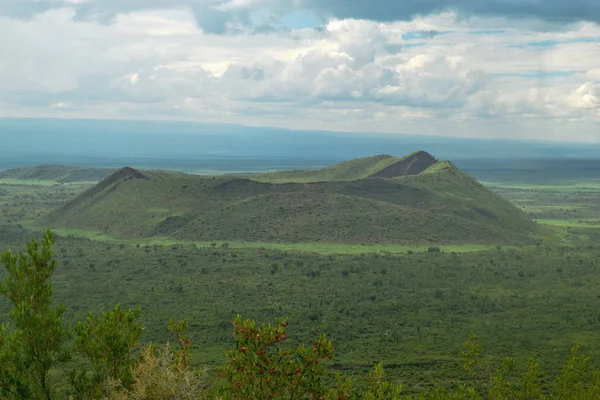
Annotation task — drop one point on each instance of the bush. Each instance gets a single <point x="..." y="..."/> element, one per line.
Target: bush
<point x="260" y="367"/>
<point x="159" y="376"/>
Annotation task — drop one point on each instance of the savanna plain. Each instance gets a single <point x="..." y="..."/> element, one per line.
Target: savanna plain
<point x="453" y="291"/>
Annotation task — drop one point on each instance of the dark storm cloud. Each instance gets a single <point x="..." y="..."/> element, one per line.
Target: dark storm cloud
<point x="215" y="16"/>
<point x="389" y="10"/>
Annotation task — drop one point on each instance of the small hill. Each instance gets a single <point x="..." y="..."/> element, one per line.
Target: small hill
<point x="58" y="173"/>
<point x="396" y="200"/>
<point x="381" y="166"/>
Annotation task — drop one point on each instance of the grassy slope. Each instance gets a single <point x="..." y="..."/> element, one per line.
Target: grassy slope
<point x="56" y="173"/>
<point x="360" y="168"/>
<point x="469" y="198"/>
<point x="444" y="206"/>
<point x="344" y="171"/>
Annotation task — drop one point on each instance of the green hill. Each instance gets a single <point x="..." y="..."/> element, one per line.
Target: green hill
<point x="437" y="204"/>
<point x="382" y="166"/>
<point x="57" y="173"/>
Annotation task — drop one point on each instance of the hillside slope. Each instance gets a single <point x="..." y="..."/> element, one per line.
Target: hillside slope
<point x="440" y="204"/>
<point x="382" y="166"/>
<point x="58" y="173"/>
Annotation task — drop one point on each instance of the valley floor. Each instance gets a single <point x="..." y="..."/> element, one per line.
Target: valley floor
<point x="410" y="307"/>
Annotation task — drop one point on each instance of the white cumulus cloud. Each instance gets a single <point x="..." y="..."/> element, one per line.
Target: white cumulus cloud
<point x="436" y="73"/>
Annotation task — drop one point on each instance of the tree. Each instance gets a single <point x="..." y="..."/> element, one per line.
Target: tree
<point x="379" y="388"/>
<point x="574" y="377"/>
<point x="475" y="366"/>
<point x="34" y="343"/>
<point x="11" y="383"/>
<point x="108" y="342"/>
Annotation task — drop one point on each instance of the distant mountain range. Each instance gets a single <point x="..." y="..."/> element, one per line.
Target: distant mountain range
<point x="187" y="146"/>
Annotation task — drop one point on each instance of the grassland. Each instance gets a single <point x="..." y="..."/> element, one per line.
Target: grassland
<point x="28" y="182"/>
<point x="376" y="302"/>
<point x="563" y="186"/>
<point x="321" y="248"/>
<point x="571" y="201"/>
<point x="588" y="223"/>
<point x="411" y="312"/>
<point x="345" y="171"/>
<point x="30" y="200"/>
<point x="54" y="174"/>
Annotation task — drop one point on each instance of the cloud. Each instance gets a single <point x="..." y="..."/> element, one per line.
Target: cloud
<point x="587" y="96"/>
<point x="346" y="62"/>
<point x="221" y="16"/>
<point x="429" y="80"/>
<point x="438" y="73"/>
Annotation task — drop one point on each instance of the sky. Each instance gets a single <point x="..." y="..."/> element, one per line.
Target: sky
<point x="519" y="69"/>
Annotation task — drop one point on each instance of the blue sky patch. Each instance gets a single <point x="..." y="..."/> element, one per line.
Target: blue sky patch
<point x="551" y="43"/>
<point x="423" y="34"/>
<point x="300" y="19"/>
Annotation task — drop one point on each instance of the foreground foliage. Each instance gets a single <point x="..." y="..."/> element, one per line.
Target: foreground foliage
<point x="34" y="343"/>
<point x="260" y="369"/>
<point x="108" y="343"/>
<point x="35" y="348"/>
<point x="521" y="302"/>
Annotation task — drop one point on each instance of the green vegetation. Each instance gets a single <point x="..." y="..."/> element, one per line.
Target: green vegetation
<point x="409" y="311"/>
<point x="444" y="206"/>
<point x="322" y="247"/>
<point x="22" y="203"/>
<point x="24" y="182"/>
<point x="588" y="223"/>
<point x="381" y="166"/>
<point x="34" y="345"/>
<point x="437" y="167"/>
<point x="563" y="186"/>
<point x="261" y="365"/>
<point x="107" y="343"/>
<point x="572" y="201"/>
<point x="52" y="174"/>
<point x="403" y="306"/>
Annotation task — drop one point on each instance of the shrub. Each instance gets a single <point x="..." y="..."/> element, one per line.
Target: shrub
<point x="260" y="367"/>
